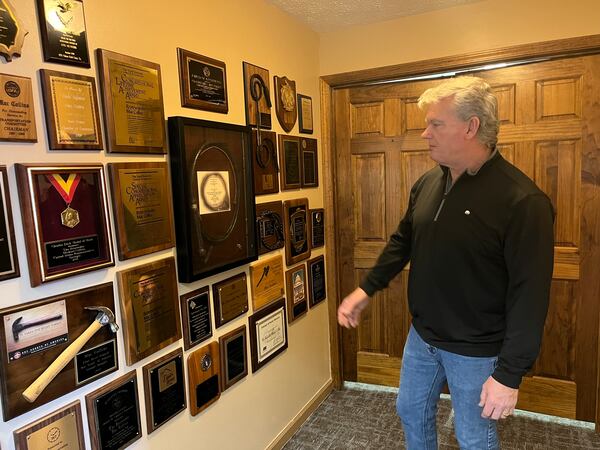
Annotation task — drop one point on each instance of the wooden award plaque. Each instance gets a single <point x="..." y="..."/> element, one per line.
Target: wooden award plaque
<point x="234" y="357"/>
<point x="316" y="281"/>
<point x="9" y="261"/>
<point x="257" y="91"/>
<point x="230" y="298"/>
<point x="264" y="163"/>
<point x="269" y="226"/>
<point x="317" y="227"/>
<point x="285" y="102"/>
<point x="267" y="281"/>
<point x="62" y="429"/>
<point x="297" y="231"/>
<point x="17" y="115"/>
<point x="203" y="82"/>
<point x="13" y="33"/>
<point x="310" y="163"/>
<point x="296" y="292"/>
<point x="290" y="158"/>
<point x="164" y="389"/>
<point x="195" y="315"/>
<point x="114" y="414"/>
<point x="204" y="377"/>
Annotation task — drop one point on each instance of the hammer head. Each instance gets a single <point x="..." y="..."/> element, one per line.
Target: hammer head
<point x="105" y="317"/>
<point x="16" y="328"/>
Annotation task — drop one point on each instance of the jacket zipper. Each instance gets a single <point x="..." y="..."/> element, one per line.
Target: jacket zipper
<point x="439" y="210"/>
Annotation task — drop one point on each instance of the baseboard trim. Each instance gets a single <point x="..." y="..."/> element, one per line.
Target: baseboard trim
<point x="295" y="424"/>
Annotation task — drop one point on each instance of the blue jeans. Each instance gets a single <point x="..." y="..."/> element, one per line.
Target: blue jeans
<point x="425" y="369"/>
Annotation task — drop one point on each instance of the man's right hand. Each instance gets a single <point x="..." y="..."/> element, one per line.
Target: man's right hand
<point x="349" y="311"/>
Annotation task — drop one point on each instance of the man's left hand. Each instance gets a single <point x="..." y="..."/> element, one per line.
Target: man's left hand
<point x="498" y="401"/>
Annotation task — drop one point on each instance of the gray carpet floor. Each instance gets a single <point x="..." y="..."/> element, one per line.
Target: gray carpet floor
<point x="364" y="417"/>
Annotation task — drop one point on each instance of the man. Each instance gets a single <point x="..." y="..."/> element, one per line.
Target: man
<point x="479" y="237"/>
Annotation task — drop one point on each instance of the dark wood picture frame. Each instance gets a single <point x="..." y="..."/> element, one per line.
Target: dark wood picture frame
<point x="309" y="162"/>
<point x="211" y="172"/>
<point x="142" y="209"/>
<point x="290" y="162"/>
<point x="296" y="288"/>
<point x="211" y="94"/>
<point x="24" y="357"/>
<point x="197" y="324"/>
<point x="317" y="292"/>
<point x="305" y="114"/>
<point x="233" y="370"/>
<point x="58" y="137"/>
<point x="146" y="104"/>
<point x="9" y="259"/>
<point x="270" y="318"/>
<point x="25" y="435"/>
<point x="149" y="308"/>
<point x="164" y="377"/>
<point x="67" y="45"/>
<point x="123" y="420"/>
<point x="297" y="230"/>
<point x="82" y="229"/>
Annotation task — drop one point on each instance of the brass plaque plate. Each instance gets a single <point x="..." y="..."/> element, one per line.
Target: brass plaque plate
<point x="230" y="299"/>
<point x="267" y="281"/>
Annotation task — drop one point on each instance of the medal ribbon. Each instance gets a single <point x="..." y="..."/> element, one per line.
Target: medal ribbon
<point x="66" y="189"/>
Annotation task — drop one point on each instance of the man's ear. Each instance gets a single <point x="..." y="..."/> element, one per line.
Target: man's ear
<point x="472" y="127"/>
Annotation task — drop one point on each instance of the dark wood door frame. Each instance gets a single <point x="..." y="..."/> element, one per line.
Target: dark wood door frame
<point x="561" y="48"/>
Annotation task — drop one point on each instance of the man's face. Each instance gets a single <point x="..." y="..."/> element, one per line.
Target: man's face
<point x="446" y="134"/>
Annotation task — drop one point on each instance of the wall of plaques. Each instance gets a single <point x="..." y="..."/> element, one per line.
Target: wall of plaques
<point x="162" y="231"/>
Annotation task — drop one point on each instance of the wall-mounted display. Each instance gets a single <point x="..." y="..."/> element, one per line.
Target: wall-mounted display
<point x="305" y="114"/>
<point x="234" y="357"/>
<point x="266" y="277"/>
<point x="132" y="103"/>
<point x="33" y="335"/>
<point x="113" y="413"/>
<point x="12" y="32"/>
<point x="195" y="315"/>
<point x="17" y="116"/>
<point x="317" y="228"/>
<point x="9" y="261"/>
<point x="211" y="171"/>
<point x="290" y="162"/>
<point x="296" y="292"/>
<point x="297" y="242"/>
<point x="264" y="162"/>
<point x="60" y="429"/>
<point x="316" y="280"/>
<point x="310" y="163"/>
<point x="63" y="32"/>
<point x="71" y="108"/>
<point x="268" y="334"/>
<point x="285" y="102"/>
<point x="65" y="219"/>
<point x="230" y="298"/>
<point x="203" y="82"/>
<point x="269" y="226"/>
<point x="149" y="308"/>
<point x="164" y="389"/>
<point x="204" y="377"/>
<point x="257" y="93"/>
<point x="143" y="214"/>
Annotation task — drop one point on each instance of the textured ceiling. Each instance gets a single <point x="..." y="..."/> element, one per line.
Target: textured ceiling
<point x="329" y="15"/>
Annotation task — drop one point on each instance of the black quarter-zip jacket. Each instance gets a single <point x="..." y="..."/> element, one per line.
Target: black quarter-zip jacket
<point x="481" y="259"/>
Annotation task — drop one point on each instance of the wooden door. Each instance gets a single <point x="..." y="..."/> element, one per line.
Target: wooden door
<point x="550" y="129"/>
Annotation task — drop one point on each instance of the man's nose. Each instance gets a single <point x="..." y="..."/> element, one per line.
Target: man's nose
<point x="425" y="134"/>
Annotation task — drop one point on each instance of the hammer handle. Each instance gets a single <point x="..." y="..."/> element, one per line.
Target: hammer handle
<point x="36" y="388"/>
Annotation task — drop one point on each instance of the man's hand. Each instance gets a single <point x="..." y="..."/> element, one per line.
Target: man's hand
<point x="498" y="401"/>
<point x="351" y="307"/>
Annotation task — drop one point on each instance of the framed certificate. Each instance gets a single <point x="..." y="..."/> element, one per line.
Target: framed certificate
<point x="212" y="188"/>
<point x="63" y="32"/>
<point x="268" y="334"/>
<point x="132" y="102"/>
<point x="290" y="162"/>
<point x="143" y="214"/>
<point x="17" y="115"/>
<point x="71" y="107"/>
<point x="296" y="292"/>
<point x="203" y="82"/>
<point x="305" y="114"/>
<point x="65" y="219"/>
<point x="9" y="262"/>
<point x="149" y="308"/>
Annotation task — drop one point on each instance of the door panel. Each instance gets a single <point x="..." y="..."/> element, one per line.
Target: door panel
<point x="550" y="129"/>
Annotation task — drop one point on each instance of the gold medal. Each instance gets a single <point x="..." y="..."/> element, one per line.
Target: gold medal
<point x="66" y="188"/>
<point x="69" y="217"/>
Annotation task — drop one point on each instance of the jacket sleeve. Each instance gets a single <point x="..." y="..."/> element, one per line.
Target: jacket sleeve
<point x="395" y="254"/>
<point x="529" y="255"/>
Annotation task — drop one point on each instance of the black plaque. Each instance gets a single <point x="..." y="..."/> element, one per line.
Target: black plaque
<point x="63" y="31"/>
<point x="207" y="391"/>
<point x="234" y="359"/>
<point x="96" y="361"/>
<point x="115" y="422"/>
<point x="317" y="221"/>
<point x="195" y="312"/>
<point x="71" y="251"/>
<point x="291" y="163"/>
<point x="203" y="82"/>
<point x="297" y="243"/>
<point x="316" y="278"/>
<point x="164" y="385"/>
<point x="310" y="168"/>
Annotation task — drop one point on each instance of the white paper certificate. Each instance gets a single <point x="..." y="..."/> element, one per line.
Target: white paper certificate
<point x="270" y="334"/>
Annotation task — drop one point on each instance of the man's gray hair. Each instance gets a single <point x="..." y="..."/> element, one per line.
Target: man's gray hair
<point x="472" y="96"/>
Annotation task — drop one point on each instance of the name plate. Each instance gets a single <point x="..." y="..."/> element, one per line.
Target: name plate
<point x="195" y="313"/>
<point x="96" y="361"/>
<point x="230" y="299"/>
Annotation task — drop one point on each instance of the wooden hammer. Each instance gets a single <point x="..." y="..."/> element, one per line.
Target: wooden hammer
<point x="105" y="317"/>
